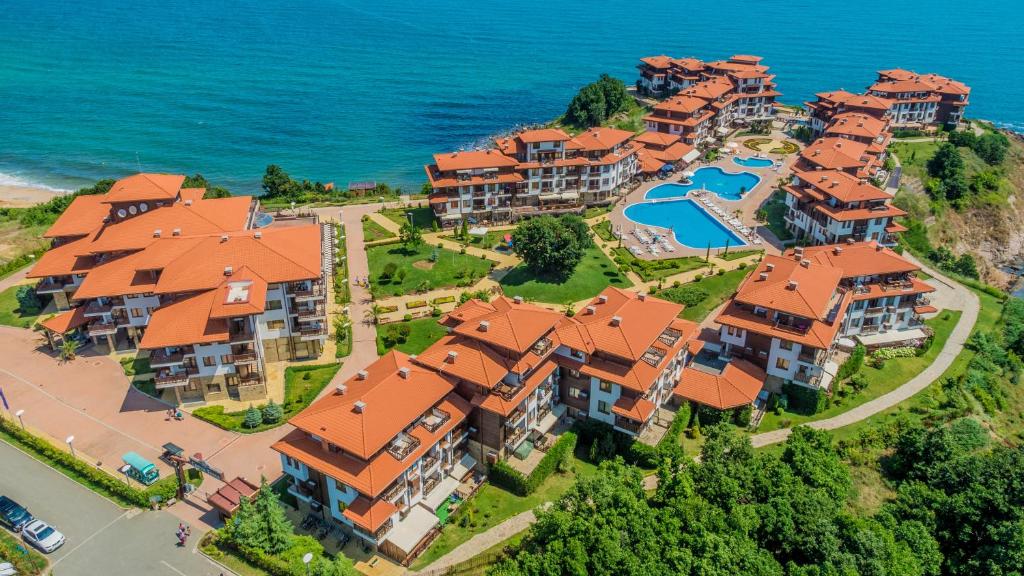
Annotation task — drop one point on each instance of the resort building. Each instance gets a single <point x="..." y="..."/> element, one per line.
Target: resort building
<point x="385" y="450"/>
<point x="832" y="104"/>
<point x="153" y="266"/>
<point x="919" y="100"/>
<point x="706" y="99"/>
<point x="661" y="151"/>
<point x="532" y="172"/>
<point x="832" y="206"/>
<point x="842" y="154"/>
<point x="789" y="317"/>
<point x="861" y="128"/>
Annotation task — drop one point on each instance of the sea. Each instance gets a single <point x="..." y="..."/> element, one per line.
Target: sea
<point x="352" y="90"/>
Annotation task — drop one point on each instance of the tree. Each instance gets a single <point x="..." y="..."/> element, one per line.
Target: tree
<point x="198" y="181"/>
<point x="68" y="349"/>
<point x="548" y="245"/>
<point x="245" y="528"/>
<point x="991" y="147"/>
<point x="410" y="235"/>
<point x="947" y="166"/>
<point x="272" y="412"/>
<point x="277" y="183"/>
<point x="253" y="417"/>
<point x="464" y="231"/>
<point x="28" y="300"/>
<point x="276" y="526"/>
<point x="597" y="102"/>
<point x="966" y="266"/>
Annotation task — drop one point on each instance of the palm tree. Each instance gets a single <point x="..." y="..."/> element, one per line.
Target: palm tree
<point x="68" y="348"/>
<point x="373" y="313"/>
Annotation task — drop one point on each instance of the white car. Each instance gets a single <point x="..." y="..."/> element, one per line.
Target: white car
<point x="42" y="536"/>
<point x="7" y="569"/>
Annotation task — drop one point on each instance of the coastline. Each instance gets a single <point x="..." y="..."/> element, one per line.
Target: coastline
<point x="22" y="196"/>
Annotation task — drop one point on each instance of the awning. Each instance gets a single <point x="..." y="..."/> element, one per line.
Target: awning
<point x="451" y="217"/>
<point x="66" y="321"/>
<point x="548" y="197"/>
<point x="691" y="156"/>
<point x="570" y="196"/>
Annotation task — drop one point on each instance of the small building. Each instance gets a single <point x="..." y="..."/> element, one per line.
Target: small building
<point x="228" y="497"/>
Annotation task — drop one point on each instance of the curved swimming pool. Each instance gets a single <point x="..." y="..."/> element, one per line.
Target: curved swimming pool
<point x="691" y="225"/>
<point x="263" y="220"/>
<point x="728" y="185"/>
<point x="753" y="162"/>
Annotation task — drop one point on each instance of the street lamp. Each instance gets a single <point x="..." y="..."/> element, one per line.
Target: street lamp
<point x="71" y="444"/>
<point x="124" y="470"/>
<point x="409" y="216"/>
<point x="306" y="559"/>
<point x="19" y="414"/>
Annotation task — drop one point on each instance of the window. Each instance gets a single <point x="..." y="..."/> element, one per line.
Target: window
<point x="576" y="354"/>
<point x="785" y="345"/>
<point x="225" y="359"/>
<point x="209" y="361"/>
<point x="575" y="392"/>
<point x="275" y="325"/>
<point x="339" y="486"/>
<point x="602" y="407"/>
<point x="273" y="305"/>
<point x="213" y="388"/>
<point x="606" y="386"/>
<point x="782" y="364"/>
<point x="733" y="331"/>
<point x="136" y="312"/>
<point x="292" y="462"/>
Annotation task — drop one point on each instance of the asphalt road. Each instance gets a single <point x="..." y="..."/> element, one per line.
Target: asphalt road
<point x="102" y="538"/>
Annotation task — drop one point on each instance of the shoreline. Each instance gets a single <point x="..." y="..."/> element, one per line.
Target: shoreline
<point x="23" y="196"/>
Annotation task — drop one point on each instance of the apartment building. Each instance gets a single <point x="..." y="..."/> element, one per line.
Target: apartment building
<point x="660" y="149"/>
<point x="532" y="172"/>
<point x="707" y="99"/>
<point x="153" y="266"/>
<point x="920" y="100"/>
<point x="385" y="449"/>
<point x="786" y="319"/>
<point x="862" y="128"/>
<point x="833" y="206"/>
<point x="831" y="104"/>
<point x="843" y="154"/>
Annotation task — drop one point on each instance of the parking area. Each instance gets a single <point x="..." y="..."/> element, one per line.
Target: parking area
<point x="102" y="538"/>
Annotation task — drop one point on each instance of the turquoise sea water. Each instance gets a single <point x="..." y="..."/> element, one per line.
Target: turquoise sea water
<point x="728" y="185"/>
<point x="691" y="225"/>
<point x="351" y="90"/>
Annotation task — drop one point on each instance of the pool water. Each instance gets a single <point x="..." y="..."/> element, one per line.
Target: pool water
<point x="752" y="162"/>
<point x="263" y="220"/>
<point x="691" y="225"/>
<point x="728" y="185"/>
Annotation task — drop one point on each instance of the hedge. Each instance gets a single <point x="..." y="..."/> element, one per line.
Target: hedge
<point x="94" y="478"/>
<point x="804" y="400"/>
<point x="852" y="364"/>
<point x="507" y="477"/>
<point x="15" y="264"/>
<point x="443" y="300"/>
<point x="415" y="304"/>
<point x="215" y="546"/>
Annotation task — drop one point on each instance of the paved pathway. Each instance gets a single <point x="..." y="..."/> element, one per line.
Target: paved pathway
<point x="482" y="541"/>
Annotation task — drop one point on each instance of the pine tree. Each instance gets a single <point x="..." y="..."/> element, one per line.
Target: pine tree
<point x="245" y="528"/>
<point x="272" y="412"/>
<point x="276" y="526"/>
<point x="253" y="417"/>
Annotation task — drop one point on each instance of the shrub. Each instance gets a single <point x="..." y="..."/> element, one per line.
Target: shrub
<point x="443" y="300"/>
<point x="272" y="412"/>
<point x="688" y="294"/>
<point x="435" y="312"/>
<point x="804" y="400"/>
<point x="253" y="417"/>
<point x="741" y="416"/>
<point x="698" y="277"/>
<point x="852" y="364"/>
<point x="879" y="356"/>
<point x="415" y="304"/>
<point x="407" y="318"/>
<point x="557" y="458"/>
<point x="389" y="271"/>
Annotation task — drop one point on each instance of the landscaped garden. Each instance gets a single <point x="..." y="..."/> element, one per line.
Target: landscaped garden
<point x="422" y="217"/>
<point x="702" y="296"/>
<point x="773" y="213"/>
<point x="650" y="270"/>
<point x="594" y="273"/>
<point x="25" y="559"/>
<point x="12" y="312"/>
<point x="302" y="384"/>
<point x="411" y="337"/>
<point x="399" y="269"/>
<point x="759" y="144"/>
<point x="373" y="231"/>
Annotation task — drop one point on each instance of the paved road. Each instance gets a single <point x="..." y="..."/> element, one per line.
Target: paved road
<point x="102" y="538"/>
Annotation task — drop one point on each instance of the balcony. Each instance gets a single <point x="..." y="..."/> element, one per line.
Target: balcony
<point x="515" y="417"/>
<point x="402" y="446"/>
<point x="250" y="379"/>
<point x="394" y="493"/>
<point x="806" y="378"/>
<point x="50" y="285"/>
<point x="808" y="357"/>
<point x="542" y="346"/>
<point x="312" y="333"/>
<point x="800" y="329"/>
<point x="429" y="462"/>
<point x="874" y="310"/>
<point x="163" y="358"/>
<point x="505" y="390"/>
<point x="309" y="314"/>
<point x="171" y="378"/>
<point x="430" y="484"/>
<point x="628" y="425"/>
<point x="96" y="308"/>
<point x="302" y="292"/>
<point x="244" y="358"/>
<point x="435" y="419"/>
<point x="241" y="335"/>
<point x="102" y="328"/>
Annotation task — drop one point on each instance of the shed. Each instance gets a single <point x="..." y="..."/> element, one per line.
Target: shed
<point x="228" y="497"/>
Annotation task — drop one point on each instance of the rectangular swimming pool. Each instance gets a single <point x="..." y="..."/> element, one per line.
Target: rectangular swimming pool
<point x="691" y="225"/>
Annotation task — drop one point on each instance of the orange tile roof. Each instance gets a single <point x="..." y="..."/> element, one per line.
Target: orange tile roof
<point x="228" y="497"/>
<point x="472" y="159"/>
<point x="659" y="62"/>
<point x="841" y="185"/>
<point x="791" y="287"/>
<point x="683" y="104"/>
<point x="659" y="139"/>
<point x="543" y="135"/>
<point x="835" y="153"/>
<point x="673" y="153"/>
<point x="392" y="402"/>
<point x="474" y="361"/>
<point x="649" y="163"/>
<point x="856" y="100"/>
<point x="602" y="138"/>
<point x="512" y="326"/>
<point x="141" y="187"/>
<point x="640" y="322"/>
<point x="369" y="515"/>
<point x="711" y="89"/>
<point x="856" y="124"/>
<point x="184" y="321"/>
<point x="818" y="334"/>
<point x="468" y="310"/>
<point x="66" y="321"/>
<point x="738" y="385"/>
<point x="244" y="293"/>
<point x="859" y="259"/>
<point x="495" y="403"/>
<point x="926" y="309"/>
<point x="63" y="260"/>
<point x="372" y="476"/>
<point x="876" y="290"/>
<point x="637" y="408"/>
<point x="845" y="214"/>
<point x="82" y="216"/>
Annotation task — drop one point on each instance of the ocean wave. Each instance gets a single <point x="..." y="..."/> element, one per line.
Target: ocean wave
<point x="12" y="180"/>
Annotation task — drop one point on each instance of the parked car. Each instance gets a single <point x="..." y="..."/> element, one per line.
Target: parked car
<point x="42" y="536"/>
<point x="13" y="515"/>
<point x="7" y="569"/>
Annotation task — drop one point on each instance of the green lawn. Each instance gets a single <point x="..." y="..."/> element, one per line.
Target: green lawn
<point x="650" y="270"/>
<point x="491" y="505"/>
<point x="719" y="289"/>
<point x="775" y="208"/>
<point x="422" y="217"/>
<point x="595" y="211"/>
<point x="914" y="155"/>
<point x="737" y="254"/>
<point x="301" y="386"/>
<point x="420" y="274"/>
<point x="134" y="365"/>
<point x="373" y="231"/>
<point x="422" y="333"/>
<point x="603" y="229"/>
<point x="593" y="274"/>
<point x="492" y="240"/>
<point x="892" y="375"/>
<point x="11" y="314"/>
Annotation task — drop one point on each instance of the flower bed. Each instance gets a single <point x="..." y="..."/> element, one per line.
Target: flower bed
<point x="443" y="300"/>
<point x="415" y="304"/>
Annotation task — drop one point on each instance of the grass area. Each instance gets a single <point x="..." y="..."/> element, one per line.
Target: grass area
<point x="342" y="339"/>
<point x="342" y="290"/>
<point x="422" y="217"/>
<point x="603" y="229"/>
<point x="892" y="375"/>
<point x="418" y="273"/>
<point x="230" y="559"/>
<point x="595" y="211"/>
<point x="491" y="506"/>
<point x="479" y="565"/>
<point x="719" y="289"/>
<point x="650" y="270"/>
<point x="339" y="198"/>
<point x="373" y="231"/>
<point x="301" y="386"/>
<point x="421" y="334"/>
<point x="24" y="558"/>
<point x="631" y="118"/>
<point x="11" y="314"/>
<point x="492" y="240"/>
<point x="914" y="155"/>
<point x="134" y="365"/>
<point x="736" y="255"/>
<point x="593" y="274"/>
<point x="775" y="215"/>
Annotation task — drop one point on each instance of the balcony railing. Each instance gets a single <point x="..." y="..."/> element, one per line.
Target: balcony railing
<point x="433" y="421"/>
<point x="245" y="335"/>
<point x="512" y="441"/>
<point x="430" y="484"/>
<point x="401" y="448"/>
<point x="379" y="534"/>
<point x="316" y="290"/>
<point x="163" y="358"/>
<point x="874" y="310"/>
<point x="312" y="333"/>
<point x="244" y="358"/>
<point x="627" y="424"/>
<point x="792" y="328"/>
<point x="168" y="378"/>
<point x="808" y="357"/>
<point x="96" y="308"/>
<point x="806" y="378"/>
<point x="49" y="285"/>
<point x="306" y="314"/>
<point x="393" y="493"/>
<point x="250" y="378"/>
<point x="101" y="328"/>
<point x="514" y="417"/>
<point x="429" y="462"/>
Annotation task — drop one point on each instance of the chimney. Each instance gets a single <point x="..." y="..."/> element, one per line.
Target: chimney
<point x="257" y="235"/>
<point x="769" y="266"/>
<point x="641" y="296"/>
<point x="602" y="299"/>
<point x="878" y="247"/>
<point x="518" y="299"/>
<point x="403" y="372"/>
<point x="793" y="284"/>
<point x="591" y="310"/>
<point x="484" y="325"/>
<point x="362" y="375"/>
<point x="762" y="276"/>
<point x="837" y="250"/>
<point x="799" y="251"/>
<point x="616" y="320"/>
<point x="228" y="270"/>
<point x="359" y="407"/>
<point x="341" y="389"/>
<point x="805" y="263"/>
<point x="157" y="232"/>
<point x="452" y="355"/>
<point x="223" y="237"/>
<point x="176" y="232"/>
<point x="188" y="202"/>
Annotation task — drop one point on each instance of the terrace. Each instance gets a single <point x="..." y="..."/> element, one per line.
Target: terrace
<point x="402" y="446"/>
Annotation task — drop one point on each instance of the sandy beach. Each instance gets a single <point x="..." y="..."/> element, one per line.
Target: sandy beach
<point x="16" y="196"/>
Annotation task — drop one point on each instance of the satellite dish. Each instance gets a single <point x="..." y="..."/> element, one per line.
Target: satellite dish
<point x="121" y="213"/>
<point x="133" y="210"/>
<point x="143" y="207"/>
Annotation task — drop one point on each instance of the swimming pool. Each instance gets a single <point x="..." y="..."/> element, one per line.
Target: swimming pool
<point x="263" y="220"/>
<point x="752" y="162"/>
<point x="691" y="225"/>
<point x="728" y="185"/>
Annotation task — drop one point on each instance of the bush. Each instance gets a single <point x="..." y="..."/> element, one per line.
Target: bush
<point x="880" y="356"/>
<point x="688" y="295"/>
<point x="556" y="459"/>
<point x="415" y="304"/>
<point x="389" y="271"/>
<point x="804" y="400"/>
<point x="253" y="417"/>
<point x="852" y="364"/>
<point x="741" y="416"/>
<point x="443" y="300"/>
<point x="272" y="412"/>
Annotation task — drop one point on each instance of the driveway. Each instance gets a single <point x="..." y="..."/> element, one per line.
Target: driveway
<point x="102" y="538"/>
